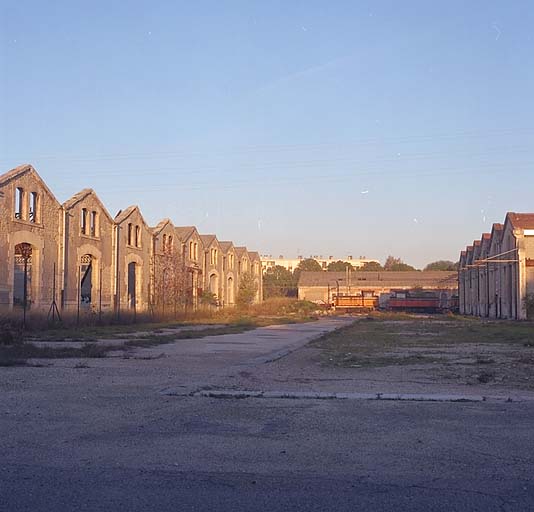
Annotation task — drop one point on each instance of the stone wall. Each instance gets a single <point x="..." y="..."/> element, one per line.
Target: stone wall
<point x="96" y="263"/>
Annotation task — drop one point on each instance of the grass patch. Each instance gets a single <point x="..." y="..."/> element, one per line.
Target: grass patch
<point x="480" y="349"/>
<point x="269" y="312"/>
<point x="18" y="354"/>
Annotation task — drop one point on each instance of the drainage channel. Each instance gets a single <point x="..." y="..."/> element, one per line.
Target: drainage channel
<point x="311" y="395"/>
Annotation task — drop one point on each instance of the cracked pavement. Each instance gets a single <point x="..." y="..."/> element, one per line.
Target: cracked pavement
<point x="108" y="437"/>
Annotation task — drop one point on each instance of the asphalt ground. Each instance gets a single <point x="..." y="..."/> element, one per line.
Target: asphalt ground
<point x="111" y="437"/>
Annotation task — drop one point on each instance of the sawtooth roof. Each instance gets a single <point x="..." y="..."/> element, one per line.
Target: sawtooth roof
<point x="521" y="220"/>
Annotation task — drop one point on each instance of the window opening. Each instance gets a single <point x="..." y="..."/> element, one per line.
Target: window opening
<point x="34" y="205"/>
<point x="94" y="224"/>
<point x="86" y="279"/>
<point x="83" y="221"/>
<point x="19" y="201"/>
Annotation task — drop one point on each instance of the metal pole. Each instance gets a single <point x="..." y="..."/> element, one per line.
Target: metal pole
<point x="54" y="295"/>
<point x="25" y="299"/>
<point x="487" y="290"/>
<point x="78" y="301"/>
<point x="117" y="275"/>
<point x="100" y="297"/>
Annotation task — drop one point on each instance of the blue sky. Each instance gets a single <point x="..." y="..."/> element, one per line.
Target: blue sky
<point x="293" y="127"/>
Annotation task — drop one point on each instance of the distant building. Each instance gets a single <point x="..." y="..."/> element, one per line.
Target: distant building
<point x="321" y="287"/>
<point x="292" y="263"/>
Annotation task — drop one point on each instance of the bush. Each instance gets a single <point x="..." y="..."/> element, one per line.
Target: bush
<point x="10" y="334"/>
<point x="283" y="306"/>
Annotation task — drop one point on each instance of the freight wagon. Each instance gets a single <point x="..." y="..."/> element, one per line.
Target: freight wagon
<point x="417" y="301"/>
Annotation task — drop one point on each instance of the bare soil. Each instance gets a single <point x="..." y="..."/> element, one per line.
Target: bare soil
<point x="437" y="348"/>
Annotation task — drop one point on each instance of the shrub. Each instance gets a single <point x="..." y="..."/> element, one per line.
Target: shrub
<point x="10" y="334"/>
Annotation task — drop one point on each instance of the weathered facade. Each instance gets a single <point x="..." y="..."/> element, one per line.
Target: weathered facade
<point x="191" y="251"/>
<point x="31" y="239"/>
<point x="76" y="257"/>
<point x="212" y="267"/>
<point x="87" y="263"/>
<point x="496" y="274"/>
<point x="229" y="273"/>
<point x="256" y="271"/>
<point x="168" y="274"/>
<point x="133" y="251"/>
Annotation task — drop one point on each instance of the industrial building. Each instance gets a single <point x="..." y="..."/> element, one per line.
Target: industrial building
<point x="496" y="272"/>
<point x="76" y="256"/>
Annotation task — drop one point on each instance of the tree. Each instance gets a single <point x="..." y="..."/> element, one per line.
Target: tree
<point x="247" y="290"/>
<point x="339" y="266"/>
<point x="168" y="282"/>
<point x="396" y="264"/>
<point x="442" y="265"/>
<point x="278" y="282"/>
<point x="309" y="265"/>
<point x="208" y="298"/>
<point x="371" y="266"/>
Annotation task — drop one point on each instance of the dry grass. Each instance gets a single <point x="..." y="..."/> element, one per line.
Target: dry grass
<point x="19" y="346"/>
<point x="268" y="312"/>
<point x="472" y="350"/>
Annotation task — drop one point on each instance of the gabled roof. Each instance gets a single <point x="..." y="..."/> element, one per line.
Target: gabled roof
<point x="241" y="251"/>
<point x="476" y="249"/>
<point x="226" y="245"/>
<point x="80" y="196"/>
<point x="76" y="198"/>
<point x="185" y="232"/>
<point x="469" y="254"/>
<point x="124" y="214"/>
<point x="207" y="240"/>
<point x="14" y="173"/>
<point x="486" y="242"/>
<point x="160" y="226"/>
<point x="254" y="255"/>
<point x="23" y="169"/>
<point x="496" y="233"/>
<point x="520" y="220"/>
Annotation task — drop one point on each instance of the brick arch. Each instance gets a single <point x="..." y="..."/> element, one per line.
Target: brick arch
<point x="37" y="243"/>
